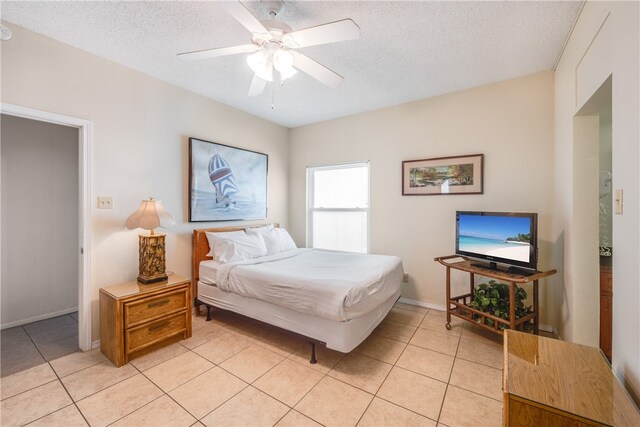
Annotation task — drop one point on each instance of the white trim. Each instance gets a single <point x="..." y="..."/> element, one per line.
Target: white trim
<point x="84" y="196"/>
<point x="422" y="304"/>
<point x="39" y="317"/>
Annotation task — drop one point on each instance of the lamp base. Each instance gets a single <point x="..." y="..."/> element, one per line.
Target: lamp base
<point x="146" y="280"/>
<point x="151" y="261"/>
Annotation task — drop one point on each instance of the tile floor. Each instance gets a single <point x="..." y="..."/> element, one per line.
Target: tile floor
<point x="30" y="345"/>
<point x="236" y="371"/>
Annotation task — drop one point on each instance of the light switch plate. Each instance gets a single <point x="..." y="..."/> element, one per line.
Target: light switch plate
<point x="105" y="202"/>
<point x="618" y="201"/>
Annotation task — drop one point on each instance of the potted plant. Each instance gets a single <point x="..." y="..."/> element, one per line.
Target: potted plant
<point x="493" y="298"/>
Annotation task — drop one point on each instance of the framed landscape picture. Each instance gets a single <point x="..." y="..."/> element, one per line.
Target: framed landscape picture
<point x="443" y="175"/>
<point x="226" y="183"/>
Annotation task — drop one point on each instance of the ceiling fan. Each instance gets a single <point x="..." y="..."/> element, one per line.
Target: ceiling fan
<point x="274" y="57"/>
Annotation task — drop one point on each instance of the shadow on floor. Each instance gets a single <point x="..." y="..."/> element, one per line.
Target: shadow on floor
<point x="29" y="345"/>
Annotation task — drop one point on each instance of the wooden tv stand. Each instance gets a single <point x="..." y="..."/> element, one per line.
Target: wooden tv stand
<point x="459" y="305"/>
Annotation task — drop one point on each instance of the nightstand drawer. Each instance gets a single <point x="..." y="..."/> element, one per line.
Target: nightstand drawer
<point x="142" y="336"/>
<point x="138" y="312"/>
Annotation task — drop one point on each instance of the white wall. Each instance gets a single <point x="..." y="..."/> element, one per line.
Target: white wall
<point x="511" y="123"/>
<point x="604" y="42"/>
<point x="39" y="220"/>
<point x="141" y="127"/>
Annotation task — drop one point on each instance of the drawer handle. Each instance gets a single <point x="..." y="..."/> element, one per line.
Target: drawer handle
<point x="158" y="303"/>
<point x="159" y="326"/>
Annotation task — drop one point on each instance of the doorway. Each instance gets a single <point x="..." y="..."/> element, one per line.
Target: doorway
<point x="594" y="208"/>
<point x="83" y="208"/>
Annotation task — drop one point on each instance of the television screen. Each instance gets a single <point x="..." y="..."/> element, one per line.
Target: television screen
<point x="503" y="237"/>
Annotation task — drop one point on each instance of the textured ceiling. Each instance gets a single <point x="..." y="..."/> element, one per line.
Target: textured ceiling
<point x="407" y="50"/>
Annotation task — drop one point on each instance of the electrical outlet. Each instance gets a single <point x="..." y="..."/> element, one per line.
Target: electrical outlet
<point x="105" y="202"/>
<point x="619" y="201"/>
<point x="405" y="278"/>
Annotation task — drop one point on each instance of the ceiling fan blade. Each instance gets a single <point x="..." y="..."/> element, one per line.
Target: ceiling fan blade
<point x="243" y="16"/>
<point x="222" y="51"/>
<point x="333" y="32"/>
<point x="316" y="70"/>
<point x="257" y="86"/>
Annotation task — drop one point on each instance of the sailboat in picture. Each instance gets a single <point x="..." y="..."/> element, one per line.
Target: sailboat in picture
<point x="223" y="181"/>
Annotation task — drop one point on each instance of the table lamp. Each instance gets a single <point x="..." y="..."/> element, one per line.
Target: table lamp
<point x="151" y="214"/>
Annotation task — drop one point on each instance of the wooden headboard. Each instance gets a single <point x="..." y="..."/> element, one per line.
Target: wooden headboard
<point x="201" y="248"/>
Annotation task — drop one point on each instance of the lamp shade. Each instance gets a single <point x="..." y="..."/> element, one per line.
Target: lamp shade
<point x="151" y="214"/>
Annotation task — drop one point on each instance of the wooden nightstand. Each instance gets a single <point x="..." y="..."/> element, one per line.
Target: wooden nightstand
<point x="137" y="318"/>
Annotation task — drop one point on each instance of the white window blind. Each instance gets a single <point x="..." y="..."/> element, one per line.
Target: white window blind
<point x="338" y="207"/>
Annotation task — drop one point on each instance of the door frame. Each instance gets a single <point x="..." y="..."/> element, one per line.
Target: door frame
<point x="84" y="208"/>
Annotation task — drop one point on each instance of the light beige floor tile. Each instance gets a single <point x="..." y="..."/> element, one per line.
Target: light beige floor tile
<point x="326" y="358"/>
<point x="282" y="342"/>
<point x="68" y="417"/>
<point x="206" y="392"/>
<point x="296" y="419"/>
<point x="408" y="317"/>
<point x="33" y="404"/>
<point x="198" y="424"/>
<point x="158" y="356"/>
<point x="435" y="323"/>
<point x="411" y="307"/>
<point x="251" y="363"/>
<point x="436" y="341"/>
<point x="95" y="378"/>
<point x="480" y="379"/>
<point x="384" y="349"/>
<point x="77" y="361"/>
<point x="222" y="346"/>
<point x="425" y="396"/>
<point x="161" y="412"/>
<point x="334" y="403"/>
<point x="26" y="380"/>
<point x="464" y="408"/>
<point x="385" y="414"/>
<point x="483" y="352"/>
<point x="475" y="332"/>
<point x="202" y="332"/>
<point x="361" y="371"/>
<point x="426" y="362"/>
<point x="440" y="314"/>
<point x="115" y="402"/>
<point x="250" y="407"/>
<point x="177" y="371"/>
<point x="397" y="331"/>
<point x="288" y="382"/>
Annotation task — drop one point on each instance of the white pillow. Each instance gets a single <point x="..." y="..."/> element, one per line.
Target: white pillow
<point x="276" y="239"/>
<point x="239" y="248"/>
<point x="211" y="238"/>
<point x="261" y="228"/>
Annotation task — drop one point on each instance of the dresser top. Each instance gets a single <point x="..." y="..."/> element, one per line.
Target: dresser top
<point x="573" y="378"/>
<point x="134" y="287"/>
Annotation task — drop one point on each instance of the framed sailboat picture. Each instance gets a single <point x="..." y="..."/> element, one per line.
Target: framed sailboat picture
<point x="226" y="183"/>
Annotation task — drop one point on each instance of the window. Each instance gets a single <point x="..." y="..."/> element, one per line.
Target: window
<point x="338" y="207"/>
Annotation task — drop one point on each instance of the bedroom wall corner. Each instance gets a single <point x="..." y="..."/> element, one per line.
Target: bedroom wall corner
<point x="141" y="127"/>
<point x="510" y="122"/>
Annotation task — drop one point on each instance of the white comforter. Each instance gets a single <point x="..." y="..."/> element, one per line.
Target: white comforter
<point x="333" y="285"/>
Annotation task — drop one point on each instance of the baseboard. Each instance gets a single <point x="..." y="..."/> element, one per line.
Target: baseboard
<point x="546" y="328"/>
<point x="422" y="304"/>
<point x="95" y="344"/>
<point x="39" y="317"/>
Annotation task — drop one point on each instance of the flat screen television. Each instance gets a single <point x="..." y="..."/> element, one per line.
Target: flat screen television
<point x="498" y="237"/>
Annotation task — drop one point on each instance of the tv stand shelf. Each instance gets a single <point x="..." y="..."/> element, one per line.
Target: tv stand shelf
<point x="459" y="305"/>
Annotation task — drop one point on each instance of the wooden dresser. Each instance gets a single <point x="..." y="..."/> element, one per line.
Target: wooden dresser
<point x="549" y="382"/>
<point x="136" y="318"/>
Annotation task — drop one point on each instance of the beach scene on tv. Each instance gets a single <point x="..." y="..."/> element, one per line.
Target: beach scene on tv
<point x="498" y="236"/>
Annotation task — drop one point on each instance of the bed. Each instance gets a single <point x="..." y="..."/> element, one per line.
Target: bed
<point x="330" y="297"/>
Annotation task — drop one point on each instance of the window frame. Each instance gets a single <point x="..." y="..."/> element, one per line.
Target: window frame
<point x="310" y="189"/>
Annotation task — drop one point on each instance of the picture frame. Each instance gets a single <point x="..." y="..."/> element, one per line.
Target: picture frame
<point x="226" y="183"/>
<point x="443" y="175"/>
